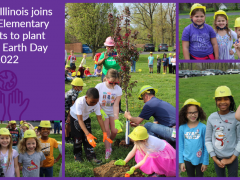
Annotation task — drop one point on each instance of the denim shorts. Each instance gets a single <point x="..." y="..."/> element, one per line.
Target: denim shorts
<point x="150" y="66"/>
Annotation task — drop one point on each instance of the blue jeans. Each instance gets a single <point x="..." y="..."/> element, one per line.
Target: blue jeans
<point x="47" y="171"/>
<point x="56" y="127"/>
<point x="133" y="67"/>
<point x="161" y="131"/>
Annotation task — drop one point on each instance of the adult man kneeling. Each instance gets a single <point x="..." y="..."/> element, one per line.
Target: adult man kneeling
<point x="164" y="115"/>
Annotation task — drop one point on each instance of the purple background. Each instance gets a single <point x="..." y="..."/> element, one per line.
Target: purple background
<point x="41" y="76"/>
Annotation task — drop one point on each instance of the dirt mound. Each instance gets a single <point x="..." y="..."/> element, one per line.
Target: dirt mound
<point x="110" y="170"/>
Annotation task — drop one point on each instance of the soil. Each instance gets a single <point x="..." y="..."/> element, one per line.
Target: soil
<point x="110" y="170"/>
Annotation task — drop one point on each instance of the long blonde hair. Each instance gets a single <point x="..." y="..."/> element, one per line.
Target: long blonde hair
<point x="10" y="151"/>
<point x="22" y="145"/>
<point x="143" y="146"/>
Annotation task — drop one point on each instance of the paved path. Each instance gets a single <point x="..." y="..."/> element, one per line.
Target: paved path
<point x="208" y="15"/>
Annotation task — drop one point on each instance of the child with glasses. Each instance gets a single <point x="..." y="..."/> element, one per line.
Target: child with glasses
<point x="193" y="155"/>
<point x="109" y="96"/>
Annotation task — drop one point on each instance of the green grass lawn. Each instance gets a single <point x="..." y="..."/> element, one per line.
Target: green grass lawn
<point x="209" y="20"/>
<point x="203" y="89"/>
<point x="166" y="91"/>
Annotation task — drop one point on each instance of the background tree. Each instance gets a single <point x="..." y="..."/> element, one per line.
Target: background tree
<point x="88" y="23"/>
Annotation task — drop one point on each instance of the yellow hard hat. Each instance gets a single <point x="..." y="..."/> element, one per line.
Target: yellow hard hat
<point x="170" y="54"/>
<point x="13" y="122"/>
<point x="139" y="133"/>
<point x="237" y="22"/>
<point x="29" y="134"/>
<point x="197" y="6"/>
<point x="145" y="89"/>
<point x="191" y="101"/>
<point x="45" y="124"/>
<point x="78" y="73"/>
<point x="220" y="12"/>
<point x="174" y="54"/>
<point x="222" y="91"/>
<point x="26" y="125"/>
<point x="21" y="122"/>
<point x="4" y="131"/>
<point x="67" y="66"/>
<point x="73" y="74"/>
<point x="150" y="53"/>
<point x="78" y="82"/>
<point x="36" y="127"/>
<point x="59" y="142"/>
<point x="84" y="54"/>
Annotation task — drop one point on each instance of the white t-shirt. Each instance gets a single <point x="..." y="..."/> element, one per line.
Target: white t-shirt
<point x="155" y="144"/>
<point x="80" y="107"/>
<point x="107" y="96"/>
<point x="173" y="61"/>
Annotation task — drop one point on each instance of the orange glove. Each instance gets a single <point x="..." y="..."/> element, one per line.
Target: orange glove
<point x="106" y="138"/>
<point x="91" y="141"/>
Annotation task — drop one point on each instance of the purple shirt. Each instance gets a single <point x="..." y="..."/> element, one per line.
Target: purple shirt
<point x="10" y="172"/>
<point x="199" y="40"/>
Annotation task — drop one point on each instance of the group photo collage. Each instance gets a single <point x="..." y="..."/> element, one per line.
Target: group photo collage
<point x="151" y="90"/>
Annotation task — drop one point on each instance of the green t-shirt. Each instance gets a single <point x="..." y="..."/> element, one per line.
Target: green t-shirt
<point x="109" y="63"/>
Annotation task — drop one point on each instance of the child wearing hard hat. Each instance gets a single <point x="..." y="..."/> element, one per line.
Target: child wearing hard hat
<point x="24" y="126"/>
<point x="170" y="63"/>
<point x="47" y="145"/>
<point x="8" y="155"/>
<point x="70" y="98"/>
<point x="31" y="157"/>
<point x="173" y="60"/>
<point x="12" y="127"/>
<point x="68" y="75"/>
<point x="237" y="42"/>
<point x="81" y="125"/>
<point x="225" y="35"/>
<point x="152" y="155"/>
<point x="199" y="39"/>
<point x="193" y="155"/>
<point x="223" y="134"/>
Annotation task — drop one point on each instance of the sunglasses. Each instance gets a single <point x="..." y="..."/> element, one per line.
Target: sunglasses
<point x="112" y="82"/>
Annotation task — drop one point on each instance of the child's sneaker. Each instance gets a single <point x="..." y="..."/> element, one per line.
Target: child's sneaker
<point x="78" y="158"/>
<point x="108" y="153"/>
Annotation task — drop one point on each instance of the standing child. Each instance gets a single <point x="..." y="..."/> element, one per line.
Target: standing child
<point x="150" y="62"/>
<point x="170" y="63"/>
<point x="83" y="62"/>
<point x="110" y="94"/>
<point x="12" y="127"/>
<point x="31" y="157"/>
<point x="72" y="59"/>
<point x="199" y="39"/>
<point x="225" y="35"/>
<point x="47" y="145"/>
<point x="174" y="63"/>
<point x="159" y="62"/>
<point x="8" y="156"/>
<point x="223" y="134"/>
<point x="70" y="98"/>
<point x="152" y="154"/>
<point x="165" y="63"/>
<point x="81" y="125"/>
<point x="193" y="155"/>
<point x="237" y="42"/>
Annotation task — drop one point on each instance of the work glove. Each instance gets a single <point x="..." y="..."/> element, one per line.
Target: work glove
<point x="128" y="173"/>
<point x="90" y="139"/>
<point x="120" y="162"/>
<point x="118" y="124"/>
<point x="106" y="138"/>
<point x="103" y="114"/>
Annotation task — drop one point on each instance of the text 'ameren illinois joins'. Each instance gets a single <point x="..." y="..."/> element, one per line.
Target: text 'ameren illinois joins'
<point x="23" y="24"/>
